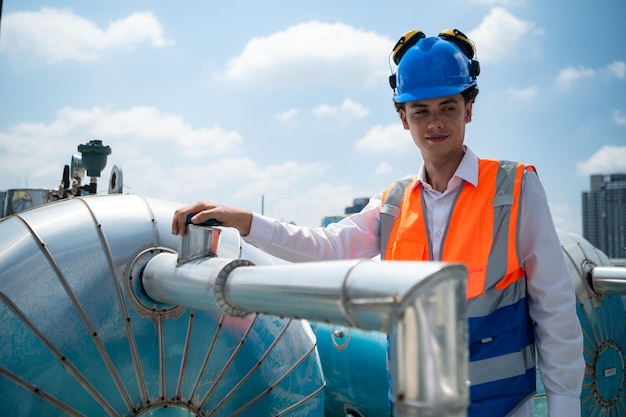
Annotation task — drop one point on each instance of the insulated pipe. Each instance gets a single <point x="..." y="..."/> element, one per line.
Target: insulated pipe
<point x="420" y="305"/>
<point x="608" y="280"/>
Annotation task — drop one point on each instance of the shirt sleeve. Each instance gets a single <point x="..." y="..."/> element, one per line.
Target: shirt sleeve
<point x="552" y="303"/>
<point x="356" y="236"/>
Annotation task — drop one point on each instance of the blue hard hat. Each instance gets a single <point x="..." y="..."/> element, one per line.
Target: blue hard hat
<point x="433" y="67"/>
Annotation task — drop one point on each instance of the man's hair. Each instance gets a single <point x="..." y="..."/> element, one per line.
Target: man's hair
<point x="469" y="94"/>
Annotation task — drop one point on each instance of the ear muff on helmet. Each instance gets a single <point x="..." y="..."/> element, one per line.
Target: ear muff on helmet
<point x="465" y="44"/>
<point x="404" y="43"/>
<point x="459" y="39"/>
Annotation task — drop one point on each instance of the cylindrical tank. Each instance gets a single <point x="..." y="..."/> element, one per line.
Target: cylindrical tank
<point x="355" y="367"/>
<point x="81" y="338"/>
<point x="603" y="321"/>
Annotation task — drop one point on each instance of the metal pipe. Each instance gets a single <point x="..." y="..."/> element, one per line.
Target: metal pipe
<point x="190" y="284"/>
<point x="420" y="305"/>
<point x="609" y="280"/>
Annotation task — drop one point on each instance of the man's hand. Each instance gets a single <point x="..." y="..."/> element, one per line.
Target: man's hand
<point x="201" y="211"/>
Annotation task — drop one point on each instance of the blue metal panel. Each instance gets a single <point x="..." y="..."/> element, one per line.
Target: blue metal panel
<point x="604" y="331"/>
<point x="354" y="363"/>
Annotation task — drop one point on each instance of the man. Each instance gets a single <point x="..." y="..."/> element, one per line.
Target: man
<point x="491" y="215"/>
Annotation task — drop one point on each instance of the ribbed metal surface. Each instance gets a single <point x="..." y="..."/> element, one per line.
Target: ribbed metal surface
<point x="603" y="320"/>
<point x="80" y="338"/>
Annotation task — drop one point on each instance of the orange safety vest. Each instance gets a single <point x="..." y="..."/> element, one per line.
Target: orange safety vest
<point x="410" y="240"/>
<point x="482" y="234"/>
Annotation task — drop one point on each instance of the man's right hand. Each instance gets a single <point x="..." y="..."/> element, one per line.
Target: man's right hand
<point x="201" y="211"/>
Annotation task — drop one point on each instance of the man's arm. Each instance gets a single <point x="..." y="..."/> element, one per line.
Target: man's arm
<point x="552" y="303"/>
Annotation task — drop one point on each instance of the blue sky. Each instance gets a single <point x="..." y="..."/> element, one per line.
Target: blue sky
<point x="234" y="100"/>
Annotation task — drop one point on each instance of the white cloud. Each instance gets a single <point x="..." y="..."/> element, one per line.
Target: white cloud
<point x="279" y="178"/>
<point x="287" y="115"/>
<point x="243" y="179"/>
<point x="383" y="168"/>
<point x="566" y="218"/>
<point x="568" y="76"/>
<point x="524" y="93"/>
<point x="349" y="110"/>
<point x="326" y="198"/>
<point x="608" y="160"/>
<point x="244" y="183"/>
<point x="312" y="52"/>
<point x="393" y="138"/>
<point x="501" y="35"/>
<point x="141" y="126"/>
<point x="59" y="35"/>
<point x="162" y="156"/>
<point x="619" y="118"/>
<point x="617" y="68"/>
<point x="138" y="136"/>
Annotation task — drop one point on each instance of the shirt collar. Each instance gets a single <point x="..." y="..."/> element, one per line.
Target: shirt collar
<point x="466" y="171"/>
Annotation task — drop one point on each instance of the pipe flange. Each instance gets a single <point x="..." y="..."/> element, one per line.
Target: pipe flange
<point x="586" y="268"/>
<point x="608" y="374"/>
<point x="220" y="286"/>
<point x="136" y="294"/>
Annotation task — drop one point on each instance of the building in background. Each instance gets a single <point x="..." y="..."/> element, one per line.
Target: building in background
<point x="357" y="205"/>
<point x="604" y="214"/>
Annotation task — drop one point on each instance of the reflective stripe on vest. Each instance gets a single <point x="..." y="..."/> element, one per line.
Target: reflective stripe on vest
<point x="502" y="354"/>
<point x="390" y="209"/>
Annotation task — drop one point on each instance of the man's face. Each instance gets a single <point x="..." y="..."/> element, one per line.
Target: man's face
<point x="437" y="125"/>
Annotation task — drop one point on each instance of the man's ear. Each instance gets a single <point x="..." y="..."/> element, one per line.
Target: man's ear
<point x="468" y="111"/>
<point x="402" y="114"/>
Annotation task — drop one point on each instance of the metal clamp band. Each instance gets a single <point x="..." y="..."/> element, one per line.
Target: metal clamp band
<point x="220" y="288"/>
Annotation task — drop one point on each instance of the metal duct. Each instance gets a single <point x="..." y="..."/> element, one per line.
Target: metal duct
<point x="609" y="280"/>
<point x="421" y="305"/>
